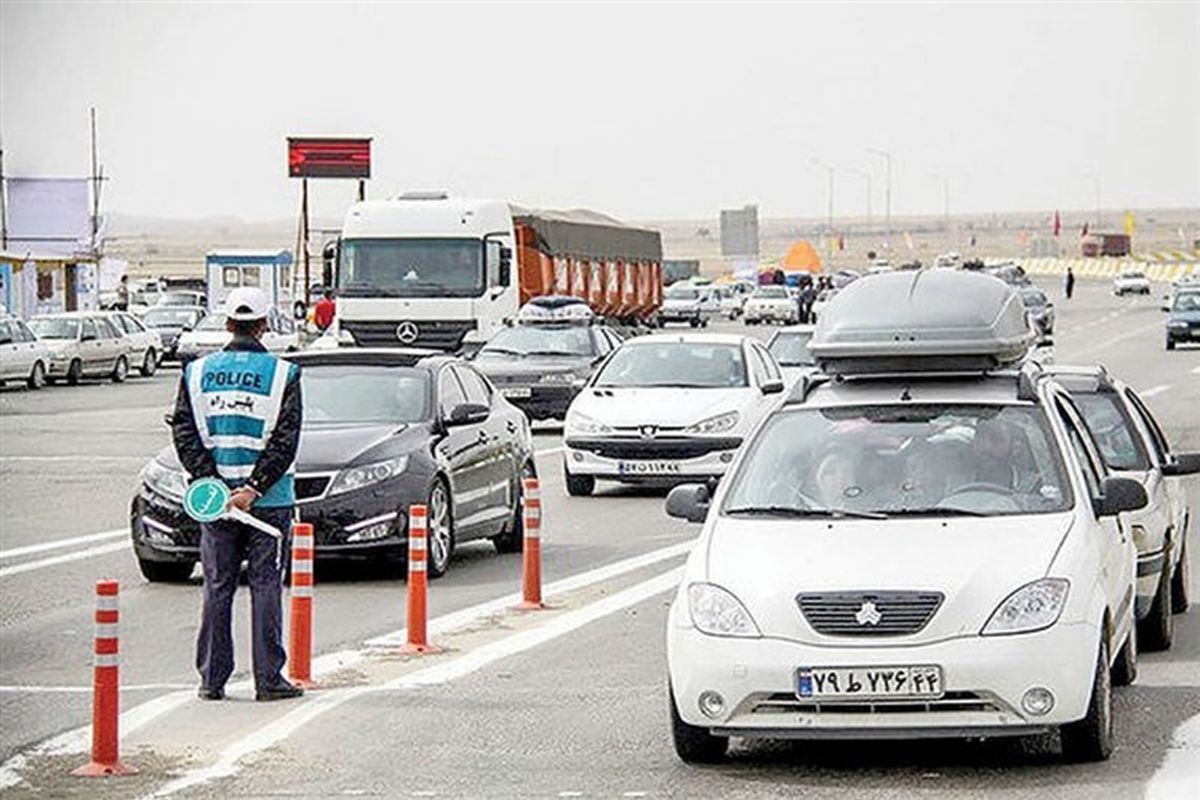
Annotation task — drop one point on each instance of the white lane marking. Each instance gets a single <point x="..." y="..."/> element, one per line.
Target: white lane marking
<point x="78" y="740"/>
<point x="548" y="451"/>
<point x="1153" y="390"/>
<point x="1179" y="774"/>
<point x="1107" y="343"/>
<point x="58" y="544"/>
<point x="75" y="459"/>
<point x="79" y="555"/>
<point x="228" y="763"/>
<point x="137" y="687"/>
<point x="1196" y="370"/>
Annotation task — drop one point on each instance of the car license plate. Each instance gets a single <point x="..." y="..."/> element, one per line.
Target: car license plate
<point x="869" y="683"/>
<point x="648" y="467"/>
<point x="516" y="391"/>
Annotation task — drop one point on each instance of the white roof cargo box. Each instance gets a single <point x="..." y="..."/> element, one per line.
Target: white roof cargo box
<point x="925" y="321"/>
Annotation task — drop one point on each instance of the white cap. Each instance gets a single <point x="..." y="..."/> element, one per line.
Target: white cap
<point x="246" y="303"/>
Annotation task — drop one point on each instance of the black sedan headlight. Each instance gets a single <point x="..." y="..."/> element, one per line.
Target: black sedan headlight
<point x="353" y="478"/>
<point x="162" y="480"/>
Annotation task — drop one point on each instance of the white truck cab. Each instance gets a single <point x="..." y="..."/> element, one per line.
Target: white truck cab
<point x="424" y="269"/>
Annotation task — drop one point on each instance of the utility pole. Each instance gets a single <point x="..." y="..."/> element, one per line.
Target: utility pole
<point x="3" y="206"/>
<point x="863" y="173"/>
<point x="887" y="196"/>
<point x="945" y="199"/>
<point x="94" y="244"/>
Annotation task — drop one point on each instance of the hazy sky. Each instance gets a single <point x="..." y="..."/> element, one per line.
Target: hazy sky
<point x="645" y="111"/>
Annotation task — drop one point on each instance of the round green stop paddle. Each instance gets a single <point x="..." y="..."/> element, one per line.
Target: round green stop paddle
<point x="206" y="499"/>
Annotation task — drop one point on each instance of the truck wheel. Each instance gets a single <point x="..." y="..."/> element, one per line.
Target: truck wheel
<point x="1091" y="738"/>
<point x="1156" y="631"/>
<point x="1179" y="581"/>
<point x="693" y="744"/>
<point x="166" y="571"/>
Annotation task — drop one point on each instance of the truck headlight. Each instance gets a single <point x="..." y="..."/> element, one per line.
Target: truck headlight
<point x="170" y="483"/>
<point x="360" y="477"/>
<point x="1033" y="607"/>
<point x="718" y="424"/>
<point x="717" y="612"/>
<point x="582" y="423"/>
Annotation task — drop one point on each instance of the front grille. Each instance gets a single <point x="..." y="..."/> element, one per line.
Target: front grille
<point x="783" y="703"/>
<point x="634" y="449"/>
<point x="310" y="487"/>
<point x="869" y="613"/>
<point x="434" y="334"/>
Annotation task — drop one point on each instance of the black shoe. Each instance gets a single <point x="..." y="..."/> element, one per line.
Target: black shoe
<point x="284" y="691"/>
<point x="210" y="694"/>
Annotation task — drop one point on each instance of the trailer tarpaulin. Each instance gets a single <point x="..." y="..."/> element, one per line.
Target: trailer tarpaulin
<point x="589" y="235"/>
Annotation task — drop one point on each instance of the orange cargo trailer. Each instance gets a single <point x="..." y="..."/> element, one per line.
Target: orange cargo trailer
<point x="616" y="268"/>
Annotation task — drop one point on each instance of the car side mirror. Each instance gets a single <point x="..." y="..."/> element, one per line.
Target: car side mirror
<point x="1182" y="464"/>
<point x="1120" y="494"/>
<point x="689" y="501"/>
<point x="772" y="387"/>
<point x="467" y="414"/>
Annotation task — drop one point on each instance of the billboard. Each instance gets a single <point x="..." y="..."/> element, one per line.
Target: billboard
<point x="329" y="158"/>
<point x="739" y="232"/>
<point x="48" y="216"/>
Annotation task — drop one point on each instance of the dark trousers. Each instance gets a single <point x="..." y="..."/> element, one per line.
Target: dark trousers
<point x="224" y="545"/>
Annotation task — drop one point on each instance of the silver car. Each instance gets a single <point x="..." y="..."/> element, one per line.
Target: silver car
<point x="145" y="343"/>
<point x="22" y="356"/>
<point x="82" y="345"/>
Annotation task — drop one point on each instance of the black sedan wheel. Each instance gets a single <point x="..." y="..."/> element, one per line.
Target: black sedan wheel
<point x="440" y="545"/>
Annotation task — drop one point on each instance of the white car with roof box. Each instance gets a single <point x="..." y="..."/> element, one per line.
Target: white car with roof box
<point x="1132" y="444"/>
<point x="922" y="542"/>
<point x="666" y="407"/>
<point x="771" y="303"/>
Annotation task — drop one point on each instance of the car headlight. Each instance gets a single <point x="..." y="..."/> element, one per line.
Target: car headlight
<point x="717" y="612"/>
<point x="359" y="477"/>
<point x="582" y="423"/>
<point x="1033" y="607"/>
<point x="171" y="483"/>
<point x="1176" y="323"/>
<point x="718" y="424"/>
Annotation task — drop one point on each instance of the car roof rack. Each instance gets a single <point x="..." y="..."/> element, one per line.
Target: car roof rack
<point x="926" y="323"/>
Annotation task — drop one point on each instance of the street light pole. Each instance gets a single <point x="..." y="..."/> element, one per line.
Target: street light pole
<point x="829" y="213"/>
<point x="887" y="196"/>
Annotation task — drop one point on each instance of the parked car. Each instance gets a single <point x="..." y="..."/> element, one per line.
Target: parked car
<point x="170" y="322"/>
<point x="916" y="558"/>
<point x="383" y="429"/>
<point x="1132" y="444"/>
<point x="540" y="365"/>
<point x="210" y="335"/>
<point x="145" y="343"/>
<point x="728" y="299"/>
<point x="1131" y="281"/>
<point x="789" y="346"/>
<point x="1040" y="309"/>
<point x="1183" y="324"/>
<point x="771" y="304"/>
<point x="22" y="356"/>
<point x="684" y="302"/>
<point x="82" y="345"/>
<point x="666" y="407"/>
<point x="180" y="297"/>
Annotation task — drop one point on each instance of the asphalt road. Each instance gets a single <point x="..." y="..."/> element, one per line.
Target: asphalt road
<point x="573" y="706"/>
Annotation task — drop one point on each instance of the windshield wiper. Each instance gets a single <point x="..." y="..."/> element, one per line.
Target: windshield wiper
<point x="503" y="350"/>
<point x="936" y="511"/>
<point x="795" y="511"/>
<point x="364" y="289"/>
<point x="553" y="353"/>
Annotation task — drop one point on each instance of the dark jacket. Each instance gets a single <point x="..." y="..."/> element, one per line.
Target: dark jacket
<point x="275" y="458"/>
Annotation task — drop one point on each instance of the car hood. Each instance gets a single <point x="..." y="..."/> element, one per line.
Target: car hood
<point x="676" y="303"/>
<point x="974" y="562"/>
<point x="491" y="364"/>
<point x="663" y="406"/>
<point x="59" y="345"/>
<point x="327" y="448"/>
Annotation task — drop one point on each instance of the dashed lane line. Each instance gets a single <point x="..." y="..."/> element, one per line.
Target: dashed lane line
<point x="59" y="544"/>
<point x="66" y="558"/>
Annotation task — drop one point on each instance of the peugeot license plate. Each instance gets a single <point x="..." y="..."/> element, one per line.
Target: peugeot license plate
<point x="923" y="681"/>
<point x="648" y="467"/>
<point x="516" y="391"/>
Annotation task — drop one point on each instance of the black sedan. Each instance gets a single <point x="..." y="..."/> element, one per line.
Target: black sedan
<point x="540" y="368"/>
<point x="170" y="322"/>
<point x="383" y="429"/>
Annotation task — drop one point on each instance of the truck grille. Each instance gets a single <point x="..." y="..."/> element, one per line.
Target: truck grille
<point x="869" y="613"/>
<point x="434" y="334"/>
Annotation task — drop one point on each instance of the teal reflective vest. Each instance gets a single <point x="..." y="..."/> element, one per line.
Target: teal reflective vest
<point x="236" y="396"/>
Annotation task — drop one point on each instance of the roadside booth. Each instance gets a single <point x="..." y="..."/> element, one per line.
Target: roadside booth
<point x="33" y="284"/>
<point x="226" y="270"/>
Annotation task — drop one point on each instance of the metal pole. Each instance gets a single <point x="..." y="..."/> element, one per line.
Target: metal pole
<point x="95" y="199"/>
<point x="3" y="206"/>
<point x="304" y="237"/>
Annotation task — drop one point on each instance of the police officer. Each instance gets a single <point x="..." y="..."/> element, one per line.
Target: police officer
<point x="237" y="418"/>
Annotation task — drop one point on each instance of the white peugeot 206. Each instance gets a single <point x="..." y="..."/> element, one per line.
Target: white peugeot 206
<point x="668" y="407"/>
<point x="923" y="541"/>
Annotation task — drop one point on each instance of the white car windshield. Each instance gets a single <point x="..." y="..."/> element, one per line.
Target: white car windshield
<point x="55" y="328"/>
<point x="213" y="322"/>
<point x="170" y="317"/>
<point x="682" y="293"/>
<point x="179" y="299"/>
<point x="363" y="395"/>
<point x="683" y="364"/>
<point x="536" y="340"/>
<point x="771" y="292"/>
<point x="1187" y="302"/>
<point x="895" y="460"/>
<point x="791" y="349"/>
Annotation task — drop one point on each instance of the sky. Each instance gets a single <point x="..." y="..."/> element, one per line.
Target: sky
<point x="645" y="111"/>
